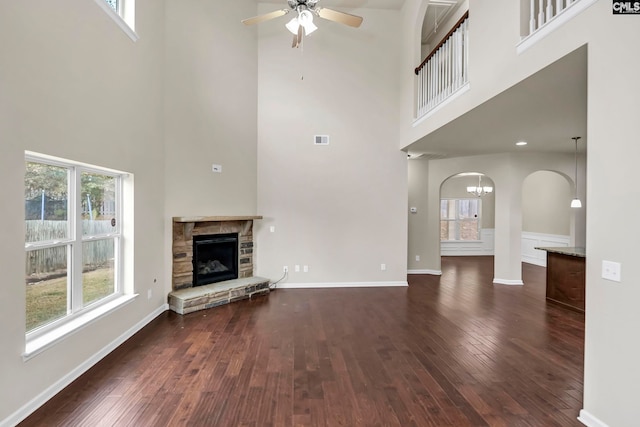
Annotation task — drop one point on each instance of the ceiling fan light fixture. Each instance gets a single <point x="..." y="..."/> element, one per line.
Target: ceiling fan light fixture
<point x="304" y="19"/>
<point x="293" y="26"/>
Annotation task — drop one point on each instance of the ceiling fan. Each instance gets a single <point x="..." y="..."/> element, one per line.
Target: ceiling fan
<point x="302" y="24"/>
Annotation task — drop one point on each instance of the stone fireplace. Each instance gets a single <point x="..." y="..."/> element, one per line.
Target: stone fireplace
<point x="213" y="262"/>
<point x="215" y="258"/>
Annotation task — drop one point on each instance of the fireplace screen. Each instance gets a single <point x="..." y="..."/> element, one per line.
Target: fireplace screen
<point x="215" y="258"/>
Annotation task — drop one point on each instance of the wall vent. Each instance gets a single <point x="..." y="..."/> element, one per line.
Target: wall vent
<point x="321" y="140"/>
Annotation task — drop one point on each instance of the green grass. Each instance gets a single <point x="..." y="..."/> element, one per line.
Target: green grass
<point x="47" y="300"/>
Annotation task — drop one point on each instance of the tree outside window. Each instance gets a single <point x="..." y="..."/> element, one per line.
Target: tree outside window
<point x="459" y="219"/>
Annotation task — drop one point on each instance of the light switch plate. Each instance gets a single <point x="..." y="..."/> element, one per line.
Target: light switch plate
<point x="611" y="270"/>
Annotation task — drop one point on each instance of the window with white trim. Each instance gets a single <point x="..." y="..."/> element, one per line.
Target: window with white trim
<point x="460" y="219"/>
<point x="123" y="13"/>
<point x="73" y="240"/>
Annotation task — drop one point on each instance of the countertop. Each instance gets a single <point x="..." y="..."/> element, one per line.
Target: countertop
<point x="563" y="250"/>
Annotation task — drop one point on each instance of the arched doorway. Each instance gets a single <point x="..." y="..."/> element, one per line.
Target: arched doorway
<point x="547" y="217"/>
<point x="467" y="221"/>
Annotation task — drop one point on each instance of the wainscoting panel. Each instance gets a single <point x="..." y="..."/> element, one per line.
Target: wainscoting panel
<point x="533" y="240"/>
<point x="477" y="248"/>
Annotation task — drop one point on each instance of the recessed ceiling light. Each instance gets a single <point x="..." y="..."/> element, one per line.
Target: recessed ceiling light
<point x="521" y="143"/>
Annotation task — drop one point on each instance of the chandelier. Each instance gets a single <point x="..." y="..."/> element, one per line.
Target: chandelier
<point x="480" y="190"/>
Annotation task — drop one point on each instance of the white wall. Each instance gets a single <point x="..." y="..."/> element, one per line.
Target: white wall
<point x="74" y="85"/>
<point x="610" y="351"/>
<point x="341" y="208"/>
<point x="211" y="88"/>
<point x="546" y="199"/>
<point x="418" y="173"/>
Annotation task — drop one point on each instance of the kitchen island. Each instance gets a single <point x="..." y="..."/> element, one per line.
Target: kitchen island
<point x="566" y="276"/>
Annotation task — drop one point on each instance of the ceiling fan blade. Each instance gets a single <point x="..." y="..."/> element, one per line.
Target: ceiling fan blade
<point x="341" y="17"/>
<point x="265" y="17"/>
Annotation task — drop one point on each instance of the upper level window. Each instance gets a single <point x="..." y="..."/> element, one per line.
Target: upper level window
<point x="114" y="5"/>
<point x="123" y="13"/>
<point x="73" y="240"/>
<point x="459" y="219"/>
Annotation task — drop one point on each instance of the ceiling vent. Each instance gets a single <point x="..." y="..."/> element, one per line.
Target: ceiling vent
<point x="321" y="140"/>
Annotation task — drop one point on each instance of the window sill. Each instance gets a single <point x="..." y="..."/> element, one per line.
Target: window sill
<point x="120" y="22"/>
<point x="43" y="342"/>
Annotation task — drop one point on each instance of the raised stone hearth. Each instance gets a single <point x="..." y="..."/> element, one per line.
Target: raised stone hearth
<point x="186" y="298"/>
<point x="208" y="296"/>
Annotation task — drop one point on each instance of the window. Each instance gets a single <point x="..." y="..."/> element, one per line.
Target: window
<point x="459" y="219"/>
<point x="73" y="240"/>
<point x="115" y="5"/>
<point x="123" y="13"/>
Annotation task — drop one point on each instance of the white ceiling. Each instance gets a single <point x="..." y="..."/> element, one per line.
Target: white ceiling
<point x="546" y="110"/>
<point x="351" y="4"/>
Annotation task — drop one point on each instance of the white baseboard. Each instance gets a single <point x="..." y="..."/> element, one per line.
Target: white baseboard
<point x="339" y="285"/>
<point x="589" y="420"/>
<point x="55" y="388"/>
<point x="507" y="282"/>
<point x="432" y="272"/>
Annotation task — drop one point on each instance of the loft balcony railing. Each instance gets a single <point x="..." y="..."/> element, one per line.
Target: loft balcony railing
<point x="445" y="70"/>
<point x="541" y="12"/>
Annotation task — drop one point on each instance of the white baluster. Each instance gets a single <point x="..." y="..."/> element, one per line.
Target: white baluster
<point x="550" y="14"/>
<point x="419" y="97"/>
<point x="423" y="79"/>
<point x="447" y="63"/>
<point x="432" y="80"/>
<point x="559" y="6"/>
<point x="541" y="19"/>
<point x="454" y="60"/>
<point x="532" y="18"/>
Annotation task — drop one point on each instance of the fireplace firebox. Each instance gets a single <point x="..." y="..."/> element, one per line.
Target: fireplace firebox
<point x="215" y="258"/>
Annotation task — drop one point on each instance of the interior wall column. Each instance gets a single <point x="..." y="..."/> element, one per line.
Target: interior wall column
<point x="508" y="228"/>
<point x="432" y="245"/>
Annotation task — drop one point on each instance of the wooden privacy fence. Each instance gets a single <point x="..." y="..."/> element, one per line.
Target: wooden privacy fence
<point x="95" y="253"/>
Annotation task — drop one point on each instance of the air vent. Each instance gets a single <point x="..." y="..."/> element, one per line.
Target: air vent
<point x="321" y="140"/>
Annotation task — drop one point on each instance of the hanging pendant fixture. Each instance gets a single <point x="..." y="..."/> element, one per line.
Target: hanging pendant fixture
<point x="576" y="203"/>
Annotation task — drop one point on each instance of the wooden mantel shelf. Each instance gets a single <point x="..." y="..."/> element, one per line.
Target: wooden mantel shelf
<point x="214" y="218"/>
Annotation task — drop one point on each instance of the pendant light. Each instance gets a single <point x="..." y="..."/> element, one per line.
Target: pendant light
<point x="576" y="203"/>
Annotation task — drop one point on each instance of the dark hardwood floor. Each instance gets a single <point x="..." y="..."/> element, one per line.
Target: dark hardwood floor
<point x="454" y="350"/>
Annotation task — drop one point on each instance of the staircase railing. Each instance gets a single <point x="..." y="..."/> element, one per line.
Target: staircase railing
<point x="543" y="11"/>
<point x="445" y="69"/>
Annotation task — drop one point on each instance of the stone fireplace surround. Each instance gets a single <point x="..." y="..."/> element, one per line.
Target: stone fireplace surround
<point x="185" y="298"/>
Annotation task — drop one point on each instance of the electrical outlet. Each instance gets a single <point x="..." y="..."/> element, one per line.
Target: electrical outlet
<point x="272" y="228"/>
<point x="383" y="267"/>
<point x="417" y="257"/>
<point x="296" y="268"/>
<point x="285" y="269"/>
<point x="149" y="293"/>
<point x="305" y="268"/>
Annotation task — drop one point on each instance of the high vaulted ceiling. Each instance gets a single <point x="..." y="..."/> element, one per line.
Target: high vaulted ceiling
<point x="350" y="4"/>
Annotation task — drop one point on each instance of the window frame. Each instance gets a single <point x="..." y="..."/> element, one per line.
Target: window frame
<point x="42" y="336"/>
<point x="124" y="17"/>
<point x="457" y="219"/>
